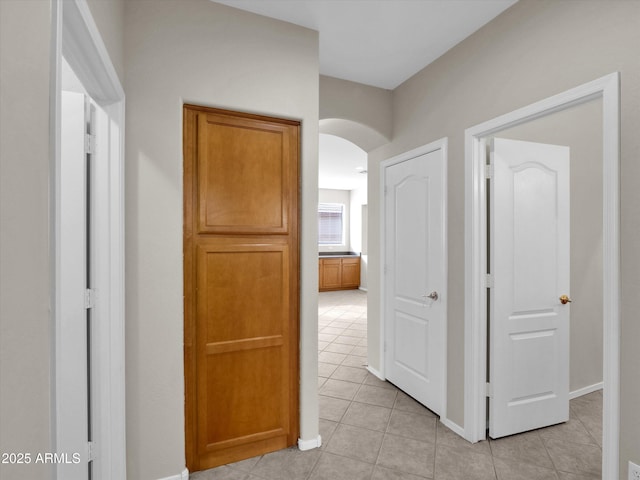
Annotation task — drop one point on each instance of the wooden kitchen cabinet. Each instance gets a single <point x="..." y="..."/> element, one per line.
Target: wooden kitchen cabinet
<point x="339" y="273"/>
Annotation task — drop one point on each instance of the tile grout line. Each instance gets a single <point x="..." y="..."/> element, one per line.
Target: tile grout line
<point x="588" y="430"/>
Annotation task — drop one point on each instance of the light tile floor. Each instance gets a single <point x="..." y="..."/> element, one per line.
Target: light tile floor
<point x="373" y="431"/>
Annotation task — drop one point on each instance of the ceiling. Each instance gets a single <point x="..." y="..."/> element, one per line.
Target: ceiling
<point x="380" y="42"/>
<point x="375" y="42"/>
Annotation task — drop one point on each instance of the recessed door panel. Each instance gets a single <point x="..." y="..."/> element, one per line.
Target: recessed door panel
<point x="244" y="282"/>
<point x="261" y="156"/>
<point x="535" y="232"/>
<point x="243" y="378"/>
<point x="411" y="335"/>
<point x="526" y="348"/>
<point x="411" y="239"/>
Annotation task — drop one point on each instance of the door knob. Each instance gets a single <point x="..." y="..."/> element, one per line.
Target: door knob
<point x="564" y="299"/>
<point x="433" y="296"/>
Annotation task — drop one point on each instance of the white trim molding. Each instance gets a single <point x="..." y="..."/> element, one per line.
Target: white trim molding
<point x="454" y="427"/>
<point x="607" y="89"/>
<point x="586" y="390"/>
<point x="181" y="476"/>
<point x="304" y="445"/>
<point x="375" y="372"/>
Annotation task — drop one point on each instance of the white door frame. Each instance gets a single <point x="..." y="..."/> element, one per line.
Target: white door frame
<point x="441" y="144"/>
<point x="608" y="89"/>
<point x="76" y="36"/>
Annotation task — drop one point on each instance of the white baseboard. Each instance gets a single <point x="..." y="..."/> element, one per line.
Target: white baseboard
<point x="364" y="289"/>
<point x="181" y="476"/>
<point x="586" y="390"/>
<point x="375" y="372"/>
<point x="454" y="427"/>
<point x="309" y="444"/>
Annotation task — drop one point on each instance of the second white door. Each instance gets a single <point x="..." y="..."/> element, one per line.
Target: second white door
<point x="415" y="274"/>
<point x="529" y="258"/>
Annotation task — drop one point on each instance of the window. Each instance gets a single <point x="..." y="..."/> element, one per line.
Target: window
<point x="330" y="224"/>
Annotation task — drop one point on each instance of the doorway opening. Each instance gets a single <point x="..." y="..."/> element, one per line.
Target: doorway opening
<point x="478" y="262"/>
<point x="342" y="210"/>
<point x="87" y="198"/>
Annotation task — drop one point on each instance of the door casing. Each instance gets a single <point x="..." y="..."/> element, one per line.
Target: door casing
<point x="441" y="144"/>
<point x="606" y="88"/>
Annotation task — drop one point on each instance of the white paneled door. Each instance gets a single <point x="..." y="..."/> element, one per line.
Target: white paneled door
<point x="415" y="275"/>
<point x="529" y="263"/>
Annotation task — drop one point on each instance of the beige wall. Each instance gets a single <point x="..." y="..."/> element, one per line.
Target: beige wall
<point x="359" y="113"/>
<point x="25" y="321"/>
<point x="535" y="49"/>
<point x="199" y="52"/>
<point x="371" y="106"/>
<point x="109" y="18"/>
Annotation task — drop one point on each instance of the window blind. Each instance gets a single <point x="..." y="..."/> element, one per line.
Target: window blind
<point x="330" y="223"/>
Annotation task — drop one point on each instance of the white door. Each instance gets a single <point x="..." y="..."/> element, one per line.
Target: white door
<point x="529" y="262"/>
<point x="415" y="278"/>
<point x="72" y="392"/>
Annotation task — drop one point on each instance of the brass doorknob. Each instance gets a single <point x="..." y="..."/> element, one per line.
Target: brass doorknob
<point x="564" y="299"/>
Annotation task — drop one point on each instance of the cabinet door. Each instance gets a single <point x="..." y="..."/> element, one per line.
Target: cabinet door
<point x="331" y="273"/>
<point x="350" y="272"/>
<point x="241" y="285"/>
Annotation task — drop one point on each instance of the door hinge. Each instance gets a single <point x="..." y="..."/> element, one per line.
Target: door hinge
<point x="89" y="143"/>
<point x="90" y="451"/>
<point x="488" y="280"/>
<point x="89" y="298"/>
<point x="488" y="171"/>
<point x="489" y="390"/>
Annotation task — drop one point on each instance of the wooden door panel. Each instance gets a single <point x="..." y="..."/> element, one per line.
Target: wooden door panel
<point x="244" y="379"/>
<point x="241" y="285"/>
<point x="244" y="283"/>
<point x="253" y="196"/>
<point x="331" y="273"/>
<point x="350" y="272"/>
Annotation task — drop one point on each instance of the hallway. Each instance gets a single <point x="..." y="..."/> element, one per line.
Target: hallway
<point x="372" y="430"/>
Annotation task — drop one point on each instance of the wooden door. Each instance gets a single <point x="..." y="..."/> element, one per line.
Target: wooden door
<point x="530" y="264"/>
<point x="415" y="266"/>
<point x="241" y="285"/>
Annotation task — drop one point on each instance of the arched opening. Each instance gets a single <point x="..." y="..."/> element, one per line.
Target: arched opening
<point x="343" y="163"/>
<point x="342" y="314"/>
<point x="363" y="136"/>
